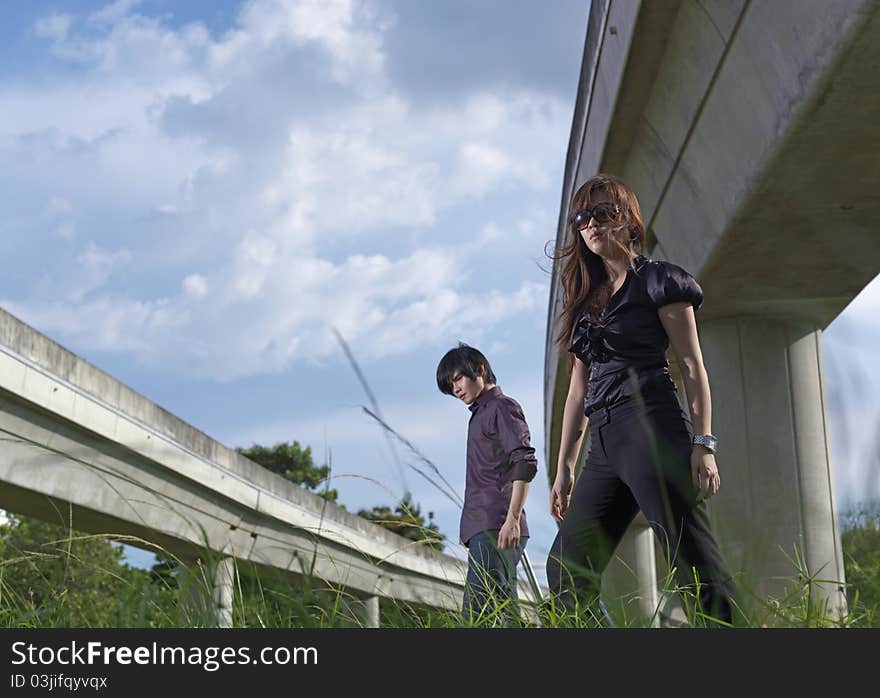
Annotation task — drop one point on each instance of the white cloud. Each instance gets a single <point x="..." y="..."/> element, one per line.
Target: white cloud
<point x="852" y="386"/>
<point x="348" y="32"/>
<point x="482" y="165"/>
<point x="490" y="233"/>
<point x="58" y="206"/>
<point x="171" y="143"/>
<point x="276" y="309"/>
<point x="104" y="323"/>
<point x="256" y="256"/>
<point x="354" y="174"/>
<point x="101" y="262"/>
<point x="195" y="285"/>
<point x="54" y="26"/>
<point x="88" y="270"/>
<point x="856" y="464"/>
<point x="863" y="311"/>
<point x="356" y="51"/>
<point x="114" y="11"/>
<point x="66" y="231"/>
<point x="449" y="313"/>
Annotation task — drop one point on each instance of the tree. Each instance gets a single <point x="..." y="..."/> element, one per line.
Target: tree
<point x="292" y="462"/>
<point x="406" y="520"/>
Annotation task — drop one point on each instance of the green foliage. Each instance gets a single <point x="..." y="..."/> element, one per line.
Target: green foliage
<point x="51" y="576"/>
<point x="273" y="598"/>
<point x="861" y="558"/>
<point x="293" y="462"/>
<point x="407" y="520"/>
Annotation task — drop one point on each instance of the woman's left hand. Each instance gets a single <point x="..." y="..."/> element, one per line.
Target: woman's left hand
<point x="704" y="473"/>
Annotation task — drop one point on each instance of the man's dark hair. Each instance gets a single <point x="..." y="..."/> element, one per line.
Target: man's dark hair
<point x="465" y="361"/>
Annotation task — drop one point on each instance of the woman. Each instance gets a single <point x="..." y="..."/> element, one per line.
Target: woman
<point x="620" y="313"/>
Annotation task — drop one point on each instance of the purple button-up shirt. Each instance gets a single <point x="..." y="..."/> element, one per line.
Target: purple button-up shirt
<point x="498" y="452"/>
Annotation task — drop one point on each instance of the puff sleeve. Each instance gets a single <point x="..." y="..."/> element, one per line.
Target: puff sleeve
<point x="668" y="283"/>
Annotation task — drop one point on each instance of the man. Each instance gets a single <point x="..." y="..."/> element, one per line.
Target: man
<point x="500" y="465"/>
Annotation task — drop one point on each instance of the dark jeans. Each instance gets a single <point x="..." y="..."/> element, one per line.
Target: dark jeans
<point x="639" y="459"/>
<point x="490" y="587"/>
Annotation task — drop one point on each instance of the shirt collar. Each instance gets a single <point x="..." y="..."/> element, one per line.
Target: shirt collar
<point x="485" y="397"/>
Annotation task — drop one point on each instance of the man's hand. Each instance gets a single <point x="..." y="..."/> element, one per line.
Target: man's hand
<point x="560" y="494"/>
<point x="508" y="536"/>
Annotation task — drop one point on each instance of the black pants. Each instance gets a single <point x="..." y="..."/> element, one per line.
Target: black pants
<point x="639" y="458"/>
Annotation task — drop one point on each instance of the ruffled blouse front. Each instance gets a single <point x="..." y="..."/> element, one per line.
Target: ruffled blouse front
<point x="625" y="348"/>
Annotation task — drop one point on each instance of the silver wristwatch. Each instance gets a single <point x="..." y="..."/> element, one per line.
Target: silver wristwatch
<point x="707" y="440"/>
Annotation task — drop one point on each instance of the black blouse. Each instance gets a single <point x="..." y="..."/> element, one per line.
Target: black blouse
<point x="626" y="348"/>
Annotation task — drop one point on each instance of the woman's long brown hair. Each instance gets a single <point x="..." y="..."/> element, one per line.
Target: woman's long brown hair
<point x="585" y="286"/>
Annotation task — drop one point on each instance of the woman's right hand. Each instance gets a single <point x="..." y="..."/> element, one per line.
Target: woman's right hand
<point x="560" y="494"/>
<point x="574" y="426"/>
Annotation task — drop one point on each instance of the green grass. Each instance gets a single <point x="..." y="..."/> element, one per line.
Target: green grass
<point x="55" y="577"/>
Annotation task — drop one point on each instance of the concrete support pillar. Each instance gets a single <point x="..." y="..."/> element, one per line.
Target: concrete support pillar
<point x="367" y="612"/>
<point x="223" y="591"/>
<point x="776" y="505"/>
<point x="629" y="583"/>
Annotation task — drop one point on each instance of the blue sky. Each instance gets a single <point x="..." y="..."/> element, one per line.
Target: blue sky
<point x="196" y="193"/>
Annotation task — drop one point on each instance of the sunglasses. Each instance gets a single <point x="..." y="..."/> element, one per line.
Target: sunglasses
<point x="603" y="213"/>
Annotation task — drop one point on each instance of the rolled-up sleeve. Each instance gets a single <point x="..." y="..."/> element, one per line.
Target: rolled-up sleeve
<point x="513" y="434"/>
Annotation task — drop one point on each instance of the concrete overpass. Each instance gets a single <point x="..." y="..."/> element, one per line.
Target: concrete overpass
<point x="79" y="447"/>
<point x="749" y="130"/>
